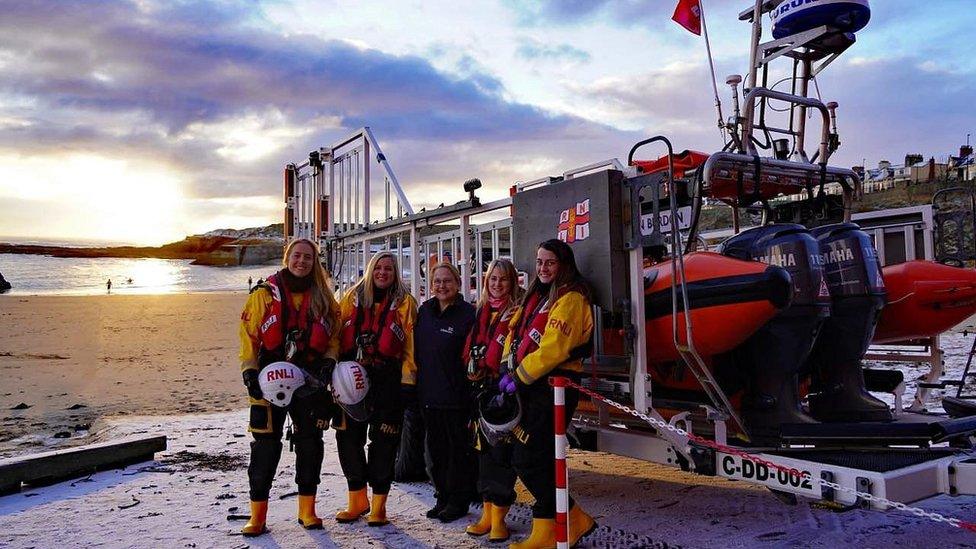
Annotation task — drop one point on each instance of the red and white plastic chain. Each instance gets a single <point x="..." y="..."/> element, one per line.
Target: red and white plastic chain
<point x="936" y="517"/>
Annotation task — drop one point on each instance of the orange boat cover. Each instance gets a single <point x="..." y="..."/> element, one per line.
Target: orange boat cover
<point x="684" y="161"/>
<point x="924" y="299"/>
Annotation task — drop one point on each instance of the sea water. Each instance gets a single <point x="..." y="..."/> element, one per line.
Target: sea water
<point x="45" y="275"/>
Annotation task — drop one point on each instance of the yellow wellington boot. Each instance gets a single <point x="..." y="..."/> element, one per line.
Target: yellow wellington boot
<point x="358" y="506"/>
<point x="377" y="516"/>
<point x="543" y="536"/>
<point x="306" y="513"/>
<point x="259" y="514"/>
<point x="499" y="530"/>
<point x="580" y="524"/>
<point x="483" y="526"/>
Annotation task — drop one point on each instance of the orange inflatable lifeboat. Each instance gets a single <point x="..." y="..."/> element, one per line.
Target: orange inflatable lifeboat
<point x="729" y="300"/>
<point x="924" y="300"/>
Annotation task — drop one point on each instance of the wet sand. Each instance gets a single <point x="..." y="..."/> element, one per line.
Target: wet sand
<point x="66" y="362"/>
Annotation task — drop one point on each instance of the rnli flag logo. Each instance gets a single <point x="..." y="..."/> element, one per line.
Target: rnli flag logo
<point x="574" y="223"/>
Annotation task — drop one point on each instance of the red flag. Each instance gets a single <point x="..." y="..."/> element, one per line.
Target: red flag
<point x="688" y="14"/>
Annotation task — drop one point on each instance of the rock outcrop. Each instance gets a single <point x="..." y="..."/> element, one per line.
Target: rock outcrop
<point x="222" y="247"/>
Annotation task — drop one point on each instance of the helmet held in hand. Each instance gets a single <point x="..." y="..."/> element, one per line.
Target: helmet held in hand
<point x="279" y="380"/>
<point x="349" y="387"/>
<point x="499" y="414"/>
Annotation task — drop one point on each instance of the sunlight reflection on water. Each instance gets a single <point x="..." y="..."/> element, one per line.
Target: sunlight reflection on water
<point x="37" y="274"/>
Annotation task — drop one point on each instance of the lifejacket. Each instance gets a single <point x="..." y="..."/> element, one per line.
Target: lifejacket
<point x="373" y="337"/>
<point x="282" y="318"/>
<point x="532" y="324"/>
<point x="486" y="342"/>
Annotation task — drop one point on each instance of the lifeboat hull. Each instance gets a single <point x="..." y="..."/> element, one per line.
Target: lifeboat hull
<point x="924" y="299"/>
<point x="729" y="300"/>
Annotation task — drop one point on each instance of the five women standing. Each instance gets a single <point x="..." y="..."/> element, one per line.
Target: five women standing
<point x="440" y="357"/>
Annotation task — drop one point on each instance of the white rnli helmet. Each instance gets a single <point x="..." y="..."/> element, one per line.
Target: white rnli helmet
<point x="278" y="382"/>
<point x="349" y="387"/>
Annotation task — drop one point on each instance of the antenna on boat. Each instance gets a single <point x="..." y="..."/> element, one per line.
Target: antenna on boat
<point x="711" y="68"/>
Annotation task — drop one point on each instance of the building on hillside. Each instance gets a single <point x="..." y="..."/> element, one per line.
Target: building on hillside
<point x="963" y="167"/>
<point x="928" y="171"/>
<point x="966" y="169"/>
<point x="879" y="179"/>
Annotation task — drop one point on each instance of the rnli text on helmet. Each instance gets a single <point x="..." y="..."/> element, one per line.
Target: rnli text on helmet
<point x="283" y="373"/>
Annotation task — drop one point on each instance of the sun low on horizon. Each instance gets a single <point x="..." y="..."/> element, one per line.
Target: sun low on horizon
<point x="93" y="197"/>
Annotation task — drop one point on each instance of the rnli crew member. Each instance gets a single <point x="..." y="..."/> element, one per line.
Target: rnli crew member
<point x="483" y="354"/>
<point x="444" y="393"/>
<point x="378" y="317"/>
<point x="551" y="334"/>
<point x="291" y="316"/>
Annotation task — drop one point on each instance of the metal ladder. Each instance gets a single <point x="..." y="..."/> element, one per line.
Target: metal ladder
<point x="689" y="354"/>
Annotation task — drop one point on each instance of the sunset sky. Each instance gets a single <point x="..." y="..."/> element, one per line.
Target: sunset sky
<point x="142" y="121"/>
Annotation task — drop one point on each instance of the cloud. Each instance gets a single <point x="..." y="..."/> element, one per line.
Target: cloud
<point x="674" y="100"/>
<point x="532" y="49"/>
<point x="893" y="106"/>
<point x="225" y="102"/>
<point x="572" y="12"/>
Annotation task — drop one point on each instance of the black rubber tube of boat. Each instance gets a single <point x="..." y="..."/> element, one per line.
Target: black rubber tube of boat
<point x="773" y="285"/>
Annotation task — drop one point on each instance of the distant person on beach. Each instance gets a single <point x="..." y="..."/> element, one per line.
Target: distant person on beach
<point x="378" y="317"/>
<point x="483" y="357"/>
<point x="108" y="286"/>
<point x="293" y="316"/>
<point x="249" y="283"/>
<point x="444" y="392"/>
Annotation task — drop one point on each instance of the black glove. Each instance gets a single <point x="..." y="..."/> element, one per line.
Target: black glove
<point x="251" y="382"/>
<point x="319" y="379"/>
<point x="408" y="395"/>
<point x="325" y="374"/>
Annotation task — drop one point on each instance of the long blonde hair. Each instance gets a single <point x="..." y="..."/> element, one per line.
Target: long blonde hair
<point x="515" y="292"/>
<point x="321" y="290"/>
<point x="365" y="286"/>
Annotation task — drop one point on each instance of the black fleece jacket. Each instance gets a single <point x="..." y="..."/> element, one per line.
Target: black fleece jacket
<point x="438" y="342"/>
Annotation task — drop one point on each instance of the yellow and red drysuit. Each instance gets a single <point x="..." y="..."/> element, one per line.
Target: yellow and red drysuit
<point x="546" y="339"/>
<point x="381" y="339"/>
<point x="270" y="314"/>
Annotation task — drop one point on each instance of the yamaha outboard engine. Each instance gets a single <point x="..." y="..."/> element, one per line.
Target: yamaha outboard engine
<point x="857" y="292"/>
<point x="771" y="358"/>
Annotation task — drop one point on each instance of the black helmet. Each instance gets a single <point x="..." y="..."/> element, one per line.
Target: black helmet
<point x="499" y="414"/>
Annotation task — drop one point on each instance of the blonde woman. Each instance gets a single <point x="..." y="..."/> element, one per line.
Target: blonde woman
<point x="292" y="316"/>
<point x="377" y="317"/>
<point x="483" y="354"/>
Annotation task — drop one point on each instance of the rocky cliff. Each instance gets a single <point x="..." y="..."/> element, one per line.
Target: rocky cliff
<point x="223" y="247"/>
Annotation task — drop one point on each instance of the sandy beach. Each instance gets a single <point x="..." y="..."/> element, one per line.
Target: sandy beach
<point x="194" y="494"/>
<point x="67" y="362"/>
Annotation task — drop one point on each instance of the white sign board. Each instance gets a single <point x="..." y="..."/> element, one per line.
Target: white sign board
<point x="684" y="220"/>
